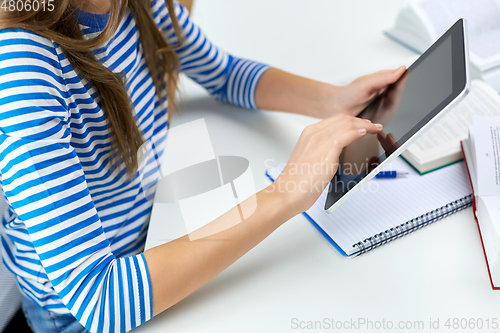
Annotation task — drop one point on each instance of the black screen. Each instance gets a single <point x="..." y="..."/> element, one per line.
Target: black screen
<point x="427" y="86"/>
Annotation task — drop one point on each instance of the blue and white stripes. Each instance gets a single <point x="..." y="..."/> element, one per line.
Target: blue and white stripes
<point x="75" y="228"/>
<point x="230" y="79"/>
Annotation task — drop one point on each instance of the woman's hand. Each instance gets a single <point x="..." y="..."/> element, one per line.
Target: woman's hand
<point x="314" y="161"/>
<point x="354" y="97"/>
<point x="355" y="156"/>
<point x="281" y="91"/>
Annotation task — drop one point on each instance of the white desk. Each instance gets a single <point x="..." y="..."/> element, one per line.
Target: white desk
<point x="436" y="272"/>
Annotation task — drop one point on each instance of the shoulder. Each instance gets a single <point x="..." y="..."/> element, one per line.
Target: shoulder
<point x="162" y="16"/>
<point x="17" y="39"/>
<point x="23" y="47"/>
<point x="28" y="54"/>
<point x="31" y="80"/>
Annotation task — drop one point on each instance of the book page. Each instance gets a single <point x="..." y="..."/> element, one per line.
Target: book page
<point x="382" y="204"/>
<point x="410" y="31"/>
<point x="486" y="130"/>
<point x="488" y="218"/>
<point x="483" y="20"/>
<point x="449" y="131"/>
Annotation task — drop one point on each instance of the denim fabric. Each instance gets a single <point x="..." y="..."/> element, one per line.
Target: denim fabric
<point x="43" y="321"/>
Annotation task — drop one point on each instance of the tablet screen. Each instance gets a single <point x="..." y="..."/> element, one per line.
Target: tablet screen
<point x="426" y="88"/>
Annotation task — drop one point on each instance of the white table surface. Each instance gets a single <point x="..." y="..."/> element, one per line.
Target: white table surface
<point x="437" y="272"/>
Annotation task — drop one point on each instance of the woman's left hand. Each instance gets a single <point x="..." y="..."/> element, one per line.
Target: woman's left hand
<point x="354" y="97"/>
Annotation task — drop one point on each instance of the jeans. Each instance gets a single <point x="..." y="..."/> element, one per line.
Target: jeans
<point x="43" y="321"/>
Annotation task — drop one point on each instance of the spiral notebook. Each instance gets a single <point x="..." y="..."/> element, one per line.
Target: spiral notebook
<point x="387" y="209"/>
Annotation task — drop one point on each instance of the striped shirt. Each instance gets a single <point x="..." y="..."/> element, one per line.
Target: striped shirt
<point x="74" y="230"/>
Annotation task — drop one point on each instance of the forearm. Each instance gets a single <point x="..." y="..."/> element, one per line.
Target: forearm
<point x="180" y="267"/>
<point x="281" y="91"/>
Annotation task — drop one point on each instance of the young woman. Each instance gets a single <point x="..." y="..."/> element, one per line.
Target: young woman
<point x="83" y="85"/>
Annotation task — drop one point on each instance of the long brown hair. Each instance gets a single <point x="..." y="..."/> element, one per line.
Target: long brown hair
<point x="61" y="25"/>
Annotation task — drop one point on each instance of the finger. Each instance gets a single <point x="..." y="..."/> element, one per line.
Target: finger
<point x="340" y="124"/>
<point x="373" y="163"/>
<point x="382" y="138"/>
<point x="394" y="94"/>
<point x="382" y="79"/>
<point x="363" y="126"/>
<point x="391" y="139"/>
<point x="388" y="142"/>
<point x="333" y="123"/>
<point x="371" y="128"/>
<point x="393" y="144"/>
<point x="396" y="74"/>
<point x="354" y="131"/>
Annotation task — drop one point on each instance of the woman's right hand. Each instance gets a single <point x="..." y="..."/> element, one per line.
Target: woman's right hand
<point x="314" y="160"/>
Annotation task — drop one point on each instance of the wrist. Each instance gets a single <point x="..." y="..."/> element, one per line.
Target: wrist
<point x="329" y="105"/>
<point x="281" y="202"/>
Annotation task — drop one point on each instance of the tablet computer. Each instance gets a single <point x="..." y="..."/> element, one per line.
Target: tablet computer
<point x="429" y="88"/>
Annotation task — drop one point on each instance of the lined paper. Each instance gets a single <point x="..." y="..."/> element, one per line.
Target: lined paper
<point x="386" y="203"/>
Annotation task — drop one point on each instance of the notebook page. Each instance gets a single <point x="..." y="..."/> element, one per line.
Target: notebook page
<point x="386" y="203"/>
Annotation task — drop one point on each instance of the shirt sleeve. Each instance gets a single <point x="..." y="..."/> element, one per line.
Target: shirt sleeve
<point x="45" y="184"/>
<point x="230" y="79"/>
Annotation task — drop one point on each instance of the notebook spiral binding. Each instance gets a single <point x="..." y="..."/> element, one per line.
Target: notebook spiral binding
<point x="405" y="228"/>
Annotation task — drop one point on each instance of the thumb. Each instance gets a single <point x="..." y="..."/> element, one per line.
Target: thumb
<point x="399" y="71"/>
<point x="384" y="78"/>
<point x="396" y="74"/>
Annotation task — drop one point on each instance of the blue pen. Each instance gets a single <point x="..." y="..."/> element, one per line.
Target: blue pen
<point x="390" y="174"/>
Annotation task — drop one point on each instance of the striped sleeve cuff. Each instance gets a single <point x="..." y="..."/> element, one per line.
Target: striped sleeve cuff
<point x="139" y="294"/>
<point x="242" y="83"/>
<point x="126" y="300"/>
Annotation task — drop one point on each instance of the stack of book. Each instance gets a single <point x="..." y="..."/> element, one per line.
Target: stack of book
<point x="421" y="22"/>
